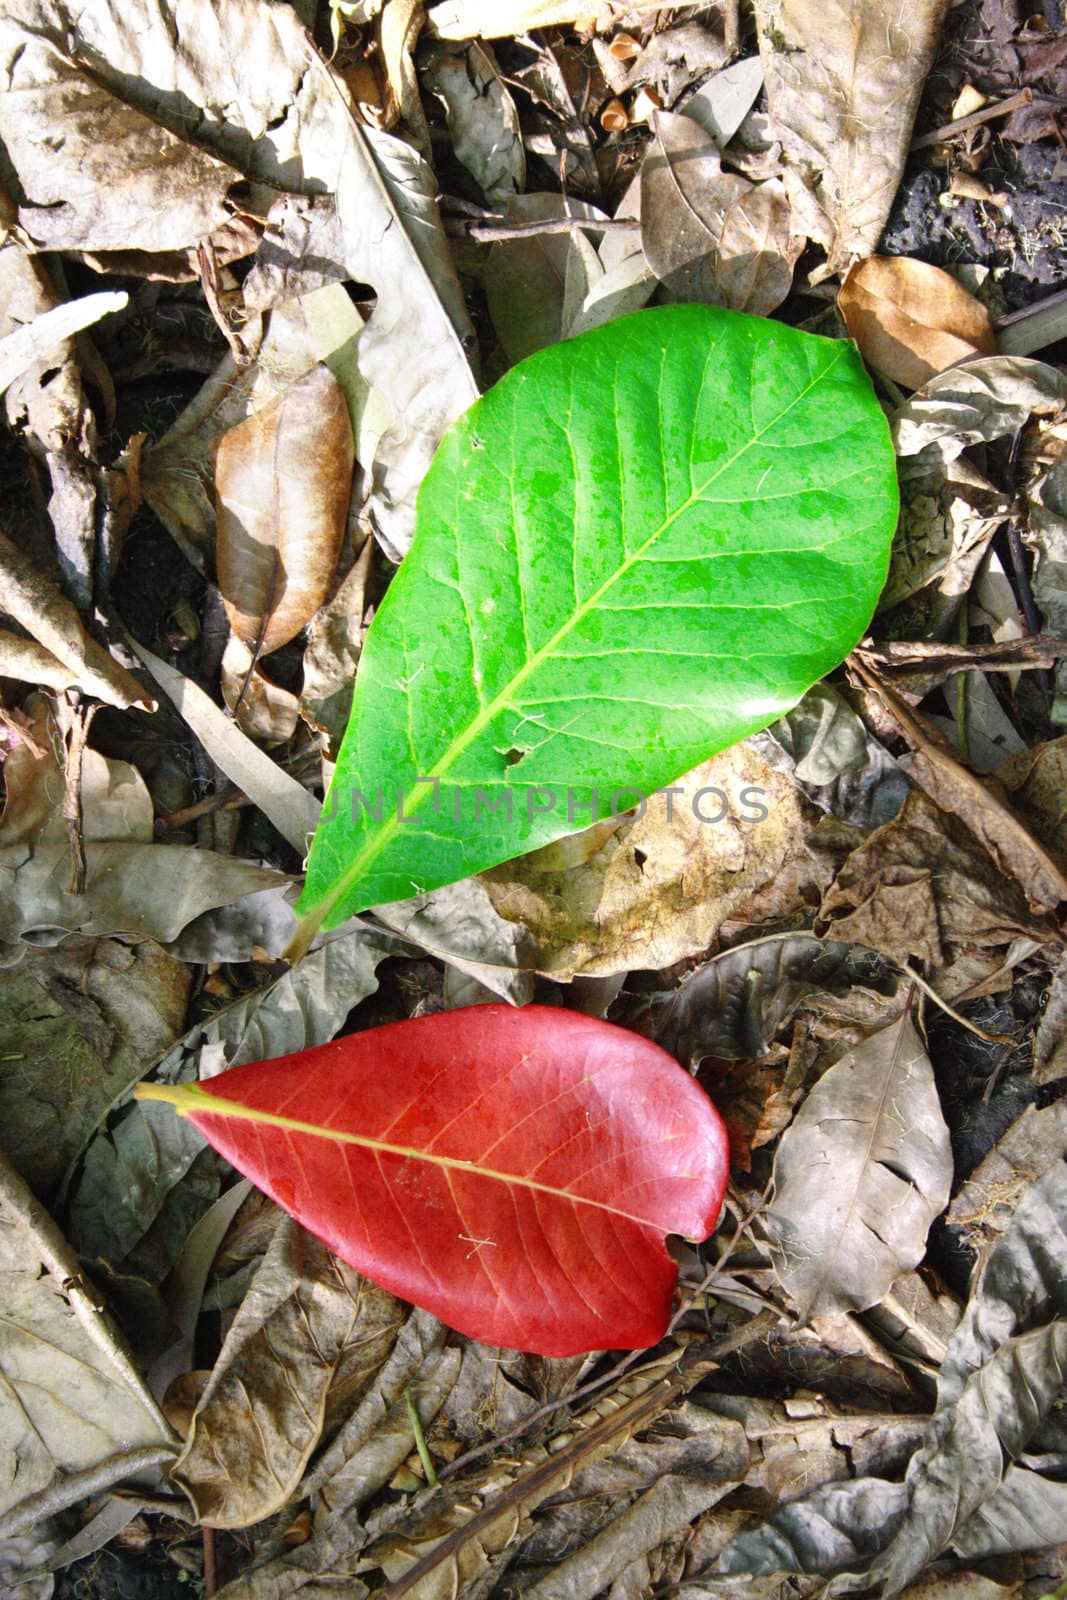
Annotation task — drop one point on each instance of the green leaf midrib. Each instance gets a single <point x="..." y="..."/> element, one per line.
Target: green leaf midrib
<point x="413" y="801"/>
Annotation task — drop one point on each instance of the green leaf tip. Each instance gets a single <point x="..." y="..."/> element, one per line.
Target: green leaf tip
<point x="641" y="546"/>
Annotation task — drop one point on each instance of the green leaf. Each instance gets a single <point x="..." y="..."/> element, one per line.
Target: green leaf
<point x="641" y="546"/>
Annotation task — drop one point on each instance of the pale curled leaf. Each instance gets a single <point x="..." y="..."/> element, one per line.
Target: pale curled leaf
<point x="733" y="1006"/>
<point x="288" y="805"/>
<point x="71" y="1396"/>
<point x="283" y="478"/>
<point x="308" y="1330"/>
<point x="980" y="401"/>
<point x="482" y="118"/>
<point x="36" y="602"/>
<point x="685" y="198"/>
<point x="37" y="339"/>
<point x="861" y="1174"/>
<point x="148" y="889"/>
<point x="843" y="85"/>
<point x="972" y="1440"/>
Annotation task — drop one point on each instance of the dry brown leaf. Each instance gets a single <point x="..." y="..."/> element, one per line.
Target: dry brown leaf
<point x="498" y="19"/>
<point x="758" y="250"/>
<point x="986" y="1203"/>
<point x="309" y="1325"/>
<point x="1050" y="1040"/>
<point x="1037" y="782"/>
<point x="260" y="708"/>
<point x="662" y="885"/>
<point x="911" y="320"/>
<point x="33" y="600"/>
<point x="685" y="198"/>
<point x="921" y="887"/>
<point x="399" y="26"/>
<point x="283" y="478"/>
<point x="991" y="820"/>
<point x="335" y="639"/>
<point x="843" y="84"/>
<point x="860" y="1175"/>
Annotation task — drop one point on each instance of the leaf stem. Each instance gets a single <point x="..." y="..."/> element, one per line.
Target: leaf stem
<point x="429" y="1470"/>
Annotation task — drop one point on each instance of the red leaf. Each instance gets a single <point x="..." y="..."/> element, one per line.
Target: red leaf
<point x="514" y="1172"/>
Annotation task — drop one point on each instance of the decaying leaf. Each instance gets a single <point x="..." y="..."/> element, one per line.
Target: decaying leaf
<point x="24" y="346"/>
<point x="843" y="88"/>
<point x="537" y="285"/>
<point x="482" y="118"/>
<point x="977" y="402"/>
<point x="460" y="925"/>
<point x="911" y="320"/>
<point x="708" y="234"/>
<point x="861" y="1174"/>
<point x="949" y="514"/>
<point x="71" y="1397"/>
<point x="986" y="1203"/>
<point x="283" y="479"/>
<point x="35" y="601"/>
<point x="83" y="1021"/>
<point x="823" y="735"/>
<point x="335" y="637"/>
<point x="660" y="886"/>
<point x="921" y="886"/>
<point x="733" y="1006"/>
<point x="309" y="1331"/>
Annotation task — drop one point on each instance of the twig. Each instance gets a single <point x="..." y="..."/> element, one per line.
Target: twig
<point x="972" y="1027"/>
<point x="66" y="1492"/>
<point x="78" y="721"/>
<point x="1046" y="304"/>
<point x="428" y="1468"/>
<point x="210" y="1564"/>
<point x="999" y="108"/>
<point x="491" y="232"/>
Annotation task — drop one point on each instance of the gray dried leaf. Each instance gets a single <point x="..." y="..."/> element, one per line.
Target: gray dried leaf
<point x="528" y="281"/>
<point x="309" y="1329"/>
<point x="83" y="1021"/>
<point x="843" y="96"/>
<point x="734" y="1005"/>
<point x="482" y="118"/>
<point x="838" y="1528"/>
<point x="972" y="1440"/>
<point x="288" y="805"/>
<point x="986" y="1203"/>
<point x="1027" y="1512"/>
<point x="860" y="1175"/>
<point x="151" y="890"/>
<point x="36" y="340"/>
<point x="71" y="1397"/>
<point x="460" y="925"/>
<point x="723" y="101"/>
<point x="1050" y="1041"/>
<point x="823" y="735"/>
<point x="977" y="402"/>
<point x="97" y="173"/>
<point x="685" y="198"/>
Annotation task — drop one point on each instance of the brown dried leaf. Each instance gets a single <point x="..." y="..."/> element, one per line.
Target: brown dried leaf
<point x="921" y="887"/>
<point x="994" y="823"/>
<point x="860" y="1175"/>
<point x="309" y="1331"/>
<point x="661" y="886"/>
<point x="260" y="708"/>
<point x="986" y="1203"/>
<point x="36" y="602"/>
<point x="911" y="320"/>
<point x="685" y="198"/>
<point x="1050" y="1041"/>
<point x="758" y="250"/>
<point x="283" y="478"/>
<point x="843" y="86"/>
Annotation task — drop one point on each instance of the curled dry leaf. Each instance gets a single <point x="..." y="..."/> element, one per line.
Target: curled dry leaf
<point x="36" y="602"/>
<point x="24" y="346"/>
<point x="482" y="118"/>
<point x="843" y="87"/>
<point x="973" y="404"/>
<point x="71" y="1397"/>
<point x="532" y="1160"/>
<point x="309" y="1330"/>
<point x="911" y="320"/>
<point x="861" y="1174"/>
<point x="283" y="478"/>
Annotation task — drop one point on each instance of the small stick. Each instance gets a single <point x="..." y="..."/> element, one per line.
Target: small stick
<point x="999" y="108"/>
<point x="429" y="1470"/>
<point x="79" y="721"/>
<point x="491" y="232"/>
<point x="210" y="1566"/>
